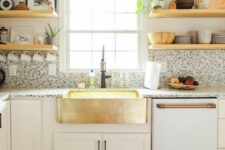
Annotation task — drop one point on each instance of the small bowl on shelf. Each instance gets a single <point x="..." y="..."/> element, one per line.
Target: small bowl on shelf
<point x="185" y="4"/>
<point x="161" y="37"/>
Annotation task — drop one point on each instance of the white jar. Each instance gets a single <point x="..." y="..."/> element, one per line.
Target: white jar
<point x="204" y="37"/>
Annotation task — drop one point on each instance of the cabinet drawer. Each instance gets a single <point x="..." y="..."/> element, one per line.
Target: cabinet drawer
<point x="222" y="109"/>
<point x="221" y="134"/>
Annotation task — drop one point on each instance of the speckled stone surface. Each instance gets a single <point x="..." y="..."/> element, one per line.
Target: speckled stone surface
<point x="207" y="66"/>
<point x="35" y="75"/>
<point x="164" y="92"/>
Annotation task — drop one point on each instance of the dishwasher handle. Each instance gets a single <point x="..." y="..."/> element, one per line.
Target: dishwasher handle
<point x="167" y="106"/>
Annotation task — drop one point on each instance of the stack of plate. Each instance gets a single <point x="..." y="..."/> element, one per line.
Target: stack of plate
<point x="218" y="38"/>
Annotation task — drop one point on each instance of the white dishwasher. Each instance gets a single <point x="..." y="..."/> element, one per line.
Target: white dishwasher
<point x="184" y="124"/>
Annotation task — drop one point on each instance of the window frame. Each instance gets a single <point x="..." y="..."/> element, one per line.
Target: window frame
<point x="64" y="51"/>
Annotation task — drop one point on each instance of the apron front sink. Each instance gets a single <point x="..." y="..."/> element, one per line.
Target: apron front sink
<point x="102" y="107"/>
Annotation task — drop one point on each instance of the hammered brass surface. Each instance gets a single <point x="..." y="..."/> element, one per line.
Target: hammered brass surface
<point x="99" y="93"/>
<point x="110" y="111"/>
<point x="102" y="107"/>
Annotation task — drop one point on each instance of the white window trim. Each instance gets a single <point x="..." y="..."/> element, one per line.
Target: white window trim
<point x="63" y="52"/>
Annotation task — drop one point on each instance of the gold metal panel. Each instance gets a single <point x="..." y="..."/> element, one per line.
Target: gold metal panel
<point x="101" y="93"/>
<point x="102" y="111"/>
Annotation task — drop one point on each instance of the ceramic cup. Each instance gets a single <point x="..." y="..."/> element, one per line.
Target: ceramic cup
<point x="39" y="40"/>
<point x="204" y="37"/>
<point x="2" y="58"/>
<point x="51" y="57"/>
<point x="38" y="58"/>
<point x="25" y="57"/>
<point x="12" y="57"/>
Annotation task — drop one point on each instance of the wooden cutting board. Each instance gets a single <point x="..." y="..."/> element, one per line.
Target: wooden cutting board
<point x="217" y="4"/>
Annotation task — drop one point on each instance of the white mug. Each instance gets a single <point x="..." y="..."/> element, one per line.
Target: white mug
<point x="25" y="57"/>
<point x="204" y="37"/>
<point x="38" y="58"/>
<point x="51" y="57"/>
<point x="2" y="58"/>
<point x="39" y="40"/>
<point x="12" y="57"/>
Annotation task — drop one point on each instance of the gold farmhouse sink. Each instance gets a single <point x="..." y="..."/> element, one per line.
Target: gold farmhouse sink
<point x="102" y="107"/>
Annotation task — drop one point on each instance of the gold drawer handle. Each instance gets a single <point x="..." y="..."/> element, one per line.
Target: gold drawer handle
<point x="166" y="106"/>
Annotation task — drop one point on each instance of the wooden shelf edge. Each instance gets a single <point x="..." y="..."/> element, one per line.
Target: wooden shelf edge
<point x="187" y="13"/>
<point x="188" y="46"/>
<point x="20" y="47"/>
<point x="27" y="14"/>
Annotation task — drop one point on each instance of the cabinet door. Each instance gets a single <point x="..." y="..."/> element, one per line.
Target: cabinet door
<point x="4" y="125"/>
<point x="221" y="134"/>
<point x="222" y="108"/>
<point x="126" y="141"/>
<point x="77" y="141"/>
<point x="26" y="124"/>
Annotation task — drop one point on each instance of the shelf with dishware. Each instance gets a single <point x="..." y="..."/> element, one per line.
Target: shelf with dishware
<point x="27" y="14"/>
<point x="187" y="13"/>
<point x="20" y="47"/>
<point x="187" y="46"/>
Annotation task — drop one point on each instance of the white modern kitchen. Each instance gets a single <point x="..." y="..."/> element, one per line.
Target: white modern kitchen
<point x="112" y="75"/>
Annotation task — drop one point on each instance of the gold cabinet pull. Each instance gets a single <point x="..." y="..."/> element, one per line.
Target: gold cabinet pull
<point x="166" y="106"/>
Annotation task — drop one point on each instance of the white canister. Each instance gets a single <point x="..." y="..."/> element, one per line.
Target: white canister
<point x="204" y="37"/>
<point x="152" y="75"/>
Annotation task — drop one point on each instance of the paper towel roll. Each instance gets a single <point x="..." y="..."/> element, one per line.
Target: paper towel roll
<point x="152" y="74"/>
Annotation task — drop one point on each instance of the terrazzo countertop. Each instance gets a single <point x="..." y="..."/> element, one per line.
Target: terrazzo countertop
<point x="164" y="92"/>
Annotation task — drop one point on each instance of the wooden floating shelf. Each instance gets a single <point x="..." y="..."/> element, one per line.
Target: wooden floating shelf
<point x="187" y="13"/>
<point x="187" y="46"/>
<point x="19" y="47"/>
<point x="27" y="14"/>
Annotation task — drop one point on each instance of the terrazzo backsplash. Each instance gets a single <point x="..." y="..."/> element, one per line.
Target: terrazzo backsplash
<point x="207" y="66"/>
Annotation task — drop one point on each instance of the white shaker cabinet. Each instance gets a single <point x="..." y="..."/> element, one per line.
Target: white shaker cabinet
<point x="98" y="141"/>
<point x="221" y="123"/>
<point x="77" y="141"/>
<point x="4" y="125"/>
<point x="126" y="141"/>
<point x="26" y="124"/>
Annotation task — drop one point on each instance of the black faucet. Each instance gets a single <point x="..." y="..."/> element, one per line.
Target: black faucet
<point x="103" y="70"/>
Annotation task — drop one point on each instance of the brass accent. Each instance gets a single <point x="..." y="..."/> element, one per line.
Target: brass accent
<point x="102" y="94"/>
<point x="102" y="107"/>
<point x="164" y="106"/>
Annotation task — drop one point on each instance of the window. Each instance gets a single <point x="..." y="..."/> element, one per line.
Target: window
<point x="94" y="23"/>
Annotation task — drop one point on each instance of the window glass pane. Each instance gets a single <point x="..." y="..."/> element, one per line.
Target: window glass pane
<point x="80" y="60"/>
<point x="126" y="41"/>
<point x="109" y="58"/>
<point x="103" y="6"/>
<point x="126" y="60"/>
<point x="80" y="5"/>
<point x="106" y="39"/>
<point x="126" y="5"/>
<point x="94" y="23"/>
<point x="80" y="21"/>
<point x="103" y="21"/>
<point x="80" y="41"/>
<point x="126" y="21"/>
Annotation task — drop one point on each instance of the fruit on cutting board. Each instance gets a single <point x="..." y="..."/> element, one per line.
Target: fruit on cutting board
<point x="188" y="80"/>
<point x="174" y="80"/>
